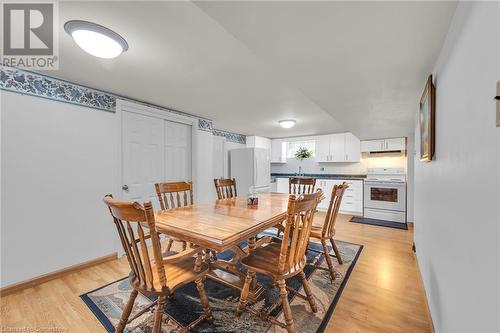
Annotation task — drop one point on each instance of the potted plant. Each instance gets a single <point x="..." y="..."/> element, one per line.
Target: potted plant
<point x="301" y="154"/>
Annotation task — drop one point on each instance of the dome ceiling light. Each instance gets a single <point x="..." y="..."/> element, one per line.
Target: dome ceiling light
<point x="289" y="123"/>
<point x="95" y="39"/>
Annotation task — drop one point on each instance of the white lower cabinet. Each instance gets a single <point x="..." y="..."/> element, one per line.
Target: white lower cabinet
<point x="352" y="202"/>
<point x="327" y="186"/>
<point x="282" y="185"/>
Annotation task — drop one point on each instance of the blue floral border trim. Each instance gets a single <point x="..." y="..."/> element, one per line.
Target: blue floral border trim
<point x="35" y="84"/>
<point x="232" y="137"/>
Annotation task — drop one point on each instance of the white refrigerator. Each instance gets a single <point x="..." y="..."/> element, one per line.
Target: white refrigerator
<point x="250" y="167"/>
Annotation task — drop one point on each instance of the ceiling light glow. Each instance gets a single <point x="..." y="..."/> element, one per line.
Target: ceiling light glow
<point x="289" y="123"/>
<point x="95" y="39"/>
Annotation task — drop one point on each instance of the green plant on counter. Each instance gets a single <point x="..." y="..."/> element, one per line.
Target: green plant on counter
<point x="303" y="153"/>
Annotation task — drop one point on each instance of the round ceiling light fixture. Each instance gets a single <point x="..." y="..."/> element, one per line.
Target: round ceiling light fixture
<point x="95" y="39"/>
<point x="288" y="123"/>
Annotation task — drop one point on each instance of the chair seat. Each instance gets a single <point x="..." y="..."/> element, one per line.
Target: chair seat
<point x="178" y="274"/>
<point x="265" y="260"/>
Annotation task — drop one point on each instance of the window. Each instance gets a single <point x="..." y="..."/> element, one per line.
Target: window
<point x="294" y="145"/>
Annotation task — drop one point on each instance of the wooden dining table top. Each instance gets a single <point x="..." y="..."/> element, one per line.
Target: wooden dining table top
<point x="223" y="223"/>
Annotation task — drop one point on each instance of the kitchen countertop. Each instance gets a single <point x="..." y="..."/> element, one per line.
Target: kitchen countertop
<point x="319" y="176"/>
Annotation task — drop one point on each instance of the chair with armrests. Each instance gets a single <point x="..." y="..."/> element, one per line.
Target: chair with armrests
<point x="151" y="274"/>
<point x="327" y="230"/>
<point x="225" y="188"/>
<point x="174" y="195"/>
<point x="285" y="259"/>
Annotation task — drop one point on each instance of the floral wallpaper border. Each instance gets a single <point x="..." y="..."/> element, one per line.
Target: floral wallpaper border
<point x="232" y="137"/>
<point x="36" y="84"/>
<point x="42" y="86"/>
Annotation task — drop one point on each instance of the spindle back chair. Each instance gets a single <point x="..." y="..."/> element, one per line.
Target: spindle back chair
<point x="287" y="258"/>
<point x="175" y="195"/>
<point x="152" y="274"/>
<point x="327" y="231"/>
<point x="225" y="188"/>
<point x="301" y="185"/>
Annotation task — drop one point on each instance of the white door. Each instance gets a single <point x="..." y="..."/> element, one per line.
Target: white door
<point x="177" y="151"/>
<point x="142" y="157"/>
<point x="220" y="157"/>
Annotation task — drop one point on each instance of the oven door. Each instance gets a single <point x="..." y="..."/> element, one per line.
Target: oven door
<point x="385" y="195"/>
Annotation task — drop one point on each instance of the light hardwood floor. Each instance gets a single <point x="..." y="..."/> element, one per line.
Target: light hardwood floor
<point x="383" y="293"/>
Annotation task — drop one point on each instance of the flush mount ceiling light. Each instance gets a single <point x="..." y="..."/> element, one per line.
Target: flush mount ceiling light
<point x="95" y="39"/>
<point x="289" y="123"/>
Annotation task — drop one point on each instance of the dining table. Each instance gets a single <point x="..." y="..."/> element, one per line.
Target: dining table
<point x="226" y="225"/>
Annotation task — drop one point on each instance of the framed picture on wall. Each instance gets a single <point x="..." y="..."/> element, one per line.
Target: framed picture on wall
<point x="427" y="121"/>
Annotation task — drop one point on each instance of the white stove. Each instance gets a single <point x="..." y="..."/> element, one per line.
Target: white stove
<point x="385" y="194"/>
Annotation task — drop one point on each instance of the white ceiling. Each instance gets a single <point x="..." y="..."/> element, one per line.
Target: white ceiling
<point x="332" y="66"/>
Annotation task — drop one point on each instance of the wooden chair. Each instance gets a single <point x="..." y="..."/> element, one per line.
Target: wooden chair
<point x="152" y="274"/>
<point x="169" y="196"/>
<point x="225" y="188"/>
<point x="327" y="231"/>
<point x="298" y="185"/>
<point x="286" y="259"/>
<point x="301" y="185"/>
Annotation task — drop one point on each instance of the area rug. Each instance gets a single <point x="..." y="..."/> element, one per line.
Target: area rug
<point x="108" y="301"/>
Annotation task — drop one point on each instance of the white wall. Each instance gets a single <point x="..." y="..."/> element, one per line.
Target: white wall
<point x="457" y="230"/>
<point x="58" y="160"/>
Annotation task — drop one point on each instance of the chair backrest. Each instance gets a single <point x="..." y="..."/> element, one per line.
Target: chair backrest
<point x="333" y="210"/>
<point x="299" y="220"/>
<point x="131" y="218"/>
<point x="169" y="194"/>
<point x="300" y="185"/>
<point x="225" y="188"/>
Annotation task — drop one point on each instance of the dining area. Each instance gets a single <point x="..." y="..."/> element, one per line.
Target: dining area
<point x="261" y="252"/>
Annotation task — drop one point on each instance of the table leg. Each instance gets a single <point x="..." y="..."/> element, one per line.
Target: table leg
<point x="251" y="247"/>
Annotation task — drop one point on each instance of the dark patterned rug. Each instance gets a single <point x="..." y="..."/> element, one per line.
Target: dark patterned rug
<point x="108" y="301"/>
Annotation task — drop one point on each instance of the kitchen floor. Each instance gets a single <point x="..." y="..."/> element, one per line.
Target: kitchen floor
<point x="383" y="293"/>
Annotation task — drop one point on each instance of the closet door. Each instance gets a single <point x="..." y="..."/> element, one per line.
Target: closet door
<point x="177" y="151"/>
<point x="142" y="156"/>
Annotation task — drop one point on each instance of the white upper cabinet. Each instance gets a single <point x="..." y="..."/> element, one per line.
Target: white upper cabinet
<point x="352" y="148"/>
<point x="395" y="144"/>
<point x="381" y="145"/>
<point x="337" y="147"/>
<point x="341" y="147"/>
<point x="278" y="151"/>
<point x="322" y="153"/>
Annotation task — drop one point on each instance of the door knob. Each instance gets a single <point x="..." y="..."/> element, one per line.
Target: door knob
<point x="125" y="187"/>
